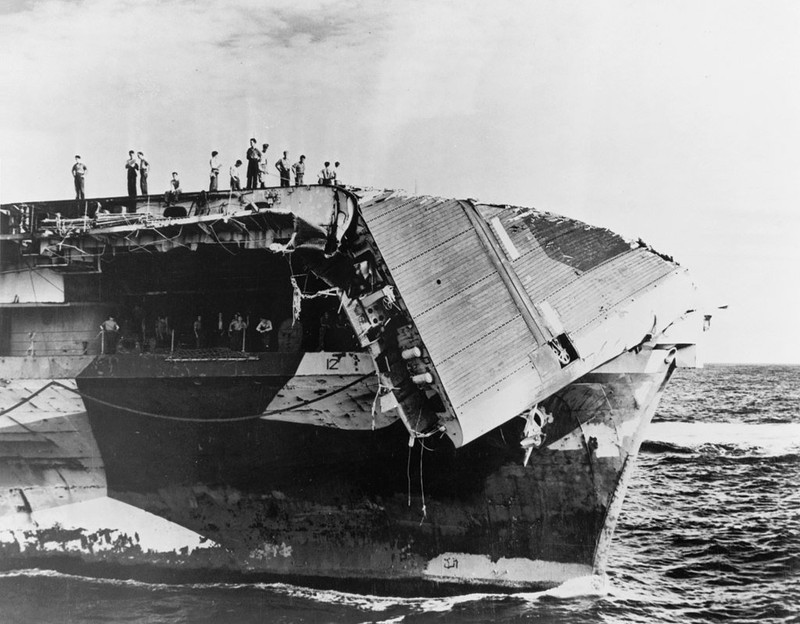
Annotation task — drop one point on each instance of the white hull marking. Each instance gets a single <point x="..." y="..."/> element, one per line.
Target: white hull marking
<point x="470" y="568"/>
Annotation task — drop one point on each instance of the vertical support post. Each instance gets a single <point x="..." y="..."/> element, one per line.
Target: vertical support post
<point x="172" y="345"/>
<point x="102" y="341"/>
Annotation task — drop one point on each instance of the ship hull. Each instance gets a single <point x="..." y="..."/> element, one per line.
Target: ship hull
<point x="358" y="509"/>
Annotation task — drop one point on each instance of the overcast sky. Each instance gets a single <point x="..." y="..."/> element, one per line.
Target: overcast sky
<point x="677" y="122"/>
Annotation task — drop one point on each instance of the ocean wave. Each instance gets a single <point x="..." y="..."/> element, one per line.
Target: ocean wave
<point x="649" y="446"/>
<point x="740" y="457"/>
<point x="765" y="439"/>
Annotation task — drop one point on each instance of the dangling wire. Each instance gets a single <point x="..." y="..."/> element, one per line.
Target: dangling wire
<point x="408" y="468"/>
<point x="422" y="486"/>
<point x="411" y="441"/>
<point x="216" y="238"/>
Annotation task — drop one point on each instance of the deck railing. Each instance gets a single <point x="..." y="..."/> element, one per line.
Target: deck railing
<point x="54" y="343"/>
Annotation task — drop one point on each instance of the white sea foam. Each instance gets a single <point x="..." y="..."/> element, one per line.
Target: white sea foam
<point x="36" y="572"/>
<point x="381" y="603"/>
<point x="440" y="605"/>
<point x="769" y="438"/>
<point x="586" y="586"/>
<point x="580" y="587"/>
<point x="330" y="596"/>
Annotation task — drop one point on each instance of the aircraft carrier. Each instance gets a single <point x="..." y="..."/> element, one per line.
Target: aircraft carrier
<point x="423" y="395"/>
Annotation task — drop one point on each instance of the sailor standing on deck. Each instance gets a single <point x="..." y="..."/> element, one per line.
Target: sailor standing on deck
<point x="264" y="328"/>
<point x="299" y="169"/>
<point x="132" y="166"/>
<point x="236" y="181"/>
<point x="236" y="332"/>
<point x="253" y="158"/>
<point x="326" y="176"/>
<point x="144" y="169"/>
<point x="197" y="329"/>
<point x="109" y="334"/>
<point x="215" y="165"/>
<point x="262" y="167"/>
<point x="78" y="174"/>
<point x="162" y="330"/>
<point x="284" y="167"/>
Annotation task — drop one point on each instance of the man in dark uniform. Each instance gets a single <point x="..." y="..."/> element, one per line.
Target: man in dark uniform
<point x="78" y="173"/>
<point x="172" y="196"/>
<point x="236" y="332"/>
<point x="253" y="160"/>
<point x="132" y="166"/>
<point x="197" y="329"/>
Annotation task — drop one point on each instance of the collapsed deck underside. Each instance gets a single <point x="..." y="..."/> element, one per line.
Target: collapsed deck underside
<point x="510" y="304"/>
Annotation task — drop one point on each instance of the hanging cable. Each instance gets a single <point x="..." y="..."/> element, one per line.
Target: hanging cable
<point x="422" y="486"/>
<point x="179" y="418"/>
<point x="408" y="468"/>
<point x="33" y="395"/>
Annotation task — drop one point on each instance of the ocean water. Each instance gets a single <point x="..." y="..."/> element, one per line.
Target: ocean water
<point x="710" y="532"/>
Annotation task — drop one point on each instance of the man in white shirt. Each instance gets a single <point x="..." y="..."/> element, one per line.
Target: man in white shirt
<point x="216" y="167"/>
<point x="236" y="181"/>
<point x="284" y="168"/>
<point x="262" y="167"/>
<point x="144" y="171"/>
<point x="299" y="169"/>
<point x="326" y="176"/>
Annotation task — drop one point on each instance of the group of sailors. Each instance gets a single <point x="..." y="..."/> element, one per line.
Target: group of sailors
<point x="234" y="334"/>
<point x="137" y="166"/>
<point x="258" y="170"/>
<point x="321" y="327"/>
